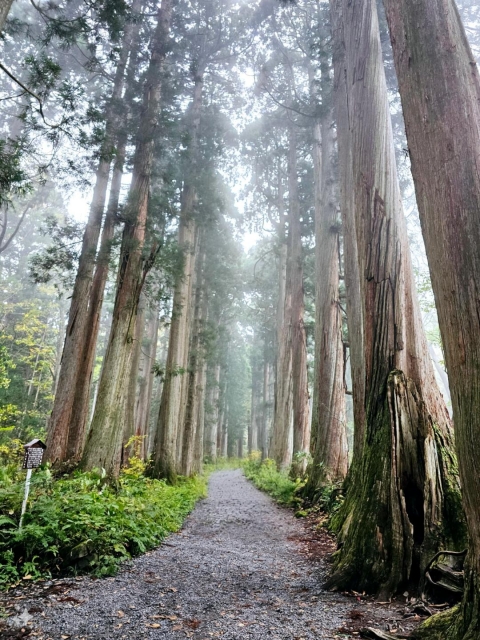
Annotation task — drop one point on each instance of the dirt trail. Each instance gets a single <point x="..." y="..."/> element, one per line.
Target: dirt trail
<point x="235" y="571"/>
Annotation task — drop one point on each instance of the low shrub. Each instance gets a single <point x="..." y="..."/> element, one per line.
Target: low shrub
<point x="83" y="524"/>
<point x="265" y="476"/>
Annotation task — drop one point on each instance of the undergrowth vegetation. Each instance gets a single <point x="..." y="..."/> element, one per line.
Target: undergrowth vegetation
<point x="280" y="486"/>
<point x="81" y="523"/>
<point x="265" y="476"/>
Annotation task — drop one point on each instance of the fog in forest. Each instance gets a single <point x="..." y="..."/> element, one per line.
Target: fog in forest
<point x="246" y="233"/>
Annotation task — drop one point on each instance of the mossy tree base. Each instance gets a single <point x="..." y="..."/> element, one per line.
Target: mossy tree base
<point x="460" y="623"/>
<point x="403" y="504"/>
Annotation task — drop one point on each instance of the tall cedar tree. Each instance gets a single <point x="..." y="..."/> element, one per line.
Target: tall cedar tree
<point x="404" y="503"/>
<point x="67" y="422"/>
<point x="440" y="91"/>
<point x="104" y="442"/>
<point x="168" y="437"/>
<point x="329" y="434"/>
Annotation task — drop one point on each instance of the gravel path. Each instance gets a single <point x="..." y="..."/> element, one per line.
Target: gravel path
<point x="235" y="571"/>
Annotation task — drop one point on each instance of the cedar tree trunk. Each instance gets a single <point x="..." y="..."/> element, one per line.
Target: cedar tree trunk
<point x="104" y="442"/>
<point x="440" y="90"/>
<point x="403" y="504"/>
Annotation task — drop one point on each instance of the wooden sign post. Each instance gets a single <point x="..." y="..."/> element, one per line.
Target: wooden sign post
<point x="31" y="460"/>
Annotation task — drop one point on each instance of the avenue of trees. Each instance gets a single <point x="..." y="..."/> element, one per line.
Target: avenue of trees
<point x="279" y="256"/>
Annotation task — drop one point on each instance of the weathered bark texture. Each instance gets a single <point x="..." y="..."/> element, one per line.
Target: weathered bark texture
<point x="350" y="250"/>
<point x="103" y="447"/>
<point x="301" y="409"/>
<point x="281" y="449"/>
<point x="440" y="90"/>
<point x="81" y="401"/>
<point x="78" y="335"/>
<point x="194" y="375"/>
<point x="170" y="424"/>
<point x="146" y="375"/>
<point x="5" y="6"/>
<point x="403" y="504"/>
<point x="129" y="414"/>
<point x="329" y="434"/>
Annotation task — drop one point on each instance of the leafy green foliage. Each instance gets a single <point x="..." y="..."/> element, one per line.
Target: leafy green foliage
<point x="82" y="524"/>
<point x="266" y="477"/>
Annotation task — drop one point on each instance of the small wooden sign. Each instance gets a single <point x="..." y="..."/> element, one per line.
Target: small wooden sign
<point x="33" y="454"/>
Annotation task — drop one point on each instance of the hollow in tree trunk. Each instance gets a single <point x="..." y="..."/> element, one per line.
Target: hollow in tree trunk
<point x="404" y="503"/>
<point x="440" y="90"/>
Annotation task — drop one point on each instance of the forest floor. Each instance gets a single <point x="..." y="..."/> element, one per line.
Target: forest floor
<point x="242" y="567"/>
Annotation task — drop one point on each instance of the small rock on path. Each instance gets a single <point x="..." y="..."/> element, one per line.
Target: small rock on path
<point x="235" y="571"/>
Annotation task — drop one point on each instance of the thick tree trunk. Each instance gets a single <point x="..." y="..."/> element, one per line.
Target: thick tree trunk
<point x="103" y="447"/>
<point x="81" y="400"/>
<point x="440" y="90"/>
<point x="301" y="409"/>
<point x="404" y="503"/>
<point x="281" y="448"/>
<point x="171" y="415"/>
<point x="195" y="376"/>
<point x="78" y="330"/>
<point x="329" y="434"/>
<point x="350" y="250"/>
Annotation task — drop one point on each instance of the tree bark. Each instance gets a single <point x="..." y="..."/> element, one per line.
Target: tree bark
<point x="78" y="329"/>
<point x="329" y="434"/>
<point x="440" y="90"/>
<point x="146" y="376"/>
<point x="350" y="250"/>
<point x="212" y="415"/>
<point x="172" y="405"/>
<point x="404" y="503"/>
<point x="195" y="375"/>
<point x="301" y="409"/>
<point x="131" y="399"/>
<point x="81" y="400"/>
<point x="281" y="440"/>
<point x="5" y="6"/>
<point x="103" y="447"/>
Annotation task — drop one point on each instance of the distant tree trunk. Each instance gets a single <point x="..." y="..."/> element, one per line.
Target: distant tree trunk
<point x="224" y="433"/>
<point x="440" y="91"/>
<point x="263" y="433"/>
<point x="153" y="418"/>
<point x="103" y="447"/>
<point x="329" y="434"/>
<point x="351" y="262"/>
<point x="131" y="400"/>
<point x="252" y="442"/>
<point x="301" y="409"/>
<point x="404" y="504"/>
<point x="144" y="398"/>
<point x="212" y="415"/>
<point x="172" y="405"/>
<point x="195" y="374"/>
<point x="77" y="332"/>
<point x="281" y="440"/>
<point x="5" y="6"/>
